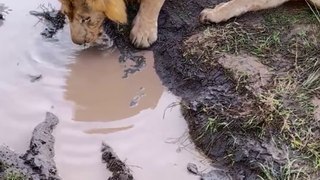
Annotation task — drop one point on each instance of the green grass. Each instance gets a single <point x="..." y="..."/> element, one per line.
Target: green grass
<point x="14" y="176"/>
<point x="289" y="43"/>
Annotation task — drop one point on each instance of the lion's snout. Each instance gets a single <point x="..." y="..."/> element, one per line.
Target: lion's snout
<point x="81" y="35"/>
<point x="78" y="41"/>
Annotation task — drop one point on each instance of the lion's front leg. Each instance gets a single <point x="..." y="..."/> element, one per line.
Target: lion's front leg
<point x="145" y="24"/>
<point x="316" y="3"/>
<point x="233" y="8"/>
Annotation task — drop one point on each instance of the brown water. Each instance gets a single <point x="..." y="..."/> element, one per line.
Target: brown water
<point x="87" y="91"/>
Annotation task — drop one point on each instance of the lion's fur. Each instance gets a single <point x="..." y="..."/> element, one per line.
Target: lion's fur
<point x="115" y="10"/>
<point x="86" y="16"/>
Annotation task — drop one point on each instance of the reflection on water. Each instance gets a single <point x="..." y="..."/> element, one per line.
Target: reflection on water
<point x="85" y="89"/>
<point x="99" y="91"/>
<point x="107" y="130"/>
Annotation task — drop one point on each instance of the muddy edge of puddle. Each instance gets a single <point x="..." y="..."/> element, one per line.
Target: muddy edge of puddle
<point x="38" y="161"/>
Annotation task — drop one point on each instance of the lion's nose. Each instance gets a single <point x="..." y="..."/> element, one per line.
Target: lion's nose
<point x="78" y="41"/>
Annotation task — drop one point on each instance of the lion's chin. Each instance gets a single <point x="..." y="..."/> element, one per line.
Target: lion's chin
<point x="103" y="41"/>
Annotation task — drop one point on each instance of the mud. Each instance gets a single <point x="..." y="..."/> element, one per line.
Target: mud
<point x="53" y="19"/>
<point x="37" y="163"/>
<point x="119" y="170"/>
<point x="3" y="11"/>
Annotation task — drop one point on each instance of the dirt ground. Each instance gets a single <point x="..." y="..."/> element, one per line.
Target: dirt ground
<point x="249" y="87"/>
<point x="37" y="162"/>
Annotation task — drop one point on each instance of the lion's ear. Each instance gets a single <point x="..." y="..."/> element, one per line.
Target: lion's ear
<point x="115" y="10"/>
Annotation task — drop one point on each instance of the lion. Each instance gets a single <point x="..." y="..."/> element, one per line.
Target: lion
<point x="225" y="11"/>
<point x="86" y="17"/>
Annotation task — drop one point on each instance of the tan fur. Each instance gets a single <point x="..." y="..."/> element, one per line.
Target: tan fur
<point x="86" y="24"/>
<point x="233" y="8"/>
<point x="86" y="16"/>
<point x="115" y="10"/>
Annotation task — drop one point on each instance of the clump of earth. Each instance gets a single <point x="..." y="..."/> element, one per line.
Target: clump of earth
<point x="38" y="163"/>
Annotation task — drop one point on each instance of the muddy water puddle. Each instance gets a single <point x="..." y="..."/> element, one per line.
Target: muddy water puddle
<point x="94" y="100"/>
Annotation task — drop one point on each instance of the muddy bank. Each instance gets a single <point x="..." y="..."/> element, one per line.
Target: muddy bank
<point x="37" y="162"/>
<point x="119" y="170"/>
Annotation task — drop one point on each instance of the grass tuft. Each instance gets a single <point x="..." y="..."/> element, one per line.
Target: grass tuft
<point x="288" y="43"/>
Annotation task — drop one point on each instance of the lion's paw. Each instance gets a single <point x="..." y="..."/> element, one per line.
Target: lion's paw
<point x="216" y="15"/>
<point x="143" y="34"/>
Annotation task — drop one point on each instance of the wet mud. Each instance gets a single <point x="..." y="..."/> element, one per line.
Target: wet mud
<point x="37" y="163"/>
<point x="120" y="170"/>
<point x="53" y="19"/>
<point x="3" y="12"/>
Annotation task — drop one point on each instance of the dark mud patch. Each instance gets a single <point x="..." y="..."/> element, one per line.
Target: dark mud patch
<point x="53" y="19"/>
<point x="119" y="169"/>
<point x="35" y="78"/>
<point x="37" y="163"/>
<point x="4" y="10"/>
<point x="257" y="120"/>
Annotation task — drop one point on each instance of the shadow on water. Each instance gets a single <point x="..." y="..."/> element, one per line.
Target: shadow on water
<point x="100" y="91"/>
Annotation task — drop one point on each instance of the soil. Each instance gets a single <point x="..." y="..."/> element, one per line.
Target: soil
<point x="247" y="105"/>
<point x="53" y="19"/>
<point x="119" y="170"/>
<point x="37" y="163"/>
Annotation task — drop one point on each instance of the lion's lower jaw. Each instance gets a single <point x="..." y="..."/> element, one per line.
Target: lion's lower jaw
<point x="104" y="41"/>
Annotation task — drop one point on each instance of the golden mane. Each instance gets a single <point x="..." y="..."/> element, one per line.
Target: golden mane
<point x="115" y="10"/>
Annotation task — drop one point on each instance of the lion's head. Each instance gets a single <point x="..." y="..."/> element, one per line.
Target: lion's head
<point x="86" y="17"/>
